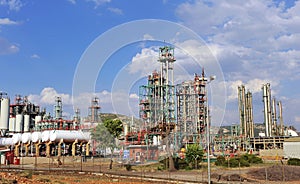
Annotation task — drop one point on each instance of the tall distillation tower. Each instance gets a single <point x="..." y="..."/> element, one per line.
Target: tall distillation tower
<point x="246" y="112"/>
<point x="157" y="98"/>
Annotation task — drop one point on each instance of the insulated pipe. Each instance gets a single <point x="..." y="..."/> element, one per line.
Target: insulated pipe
<point x="6" y="141"/>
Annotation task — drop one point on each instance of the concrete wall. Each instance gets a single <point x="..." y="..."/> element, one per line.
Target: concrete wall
<point x="291" y="149"/>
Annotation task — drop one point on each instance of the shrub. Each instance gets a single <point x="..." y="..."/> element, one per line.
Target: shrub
<point x="220" y="161"/>
<point x="294" y="161"/>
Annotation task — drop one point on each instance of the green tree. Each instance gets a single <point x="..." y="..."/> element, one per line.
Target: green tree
<point x="106" y="134"/>
<point x="194" y="154"/>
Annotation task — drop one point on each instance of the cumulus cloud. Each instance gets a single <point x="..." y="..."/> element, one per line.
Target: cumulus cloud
<point x="7" y="21"/>
<point x="47" y="97"/>
<point x="144" y="62"/>
<point x="15" y="5"/>
<point x="7" y="48"/>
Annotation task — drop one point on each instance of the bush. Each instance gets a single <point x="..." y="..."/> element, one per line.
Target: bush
<point x="294" y="161"/>
<point x="221" y="161"/>
<point x="252" y="159"/>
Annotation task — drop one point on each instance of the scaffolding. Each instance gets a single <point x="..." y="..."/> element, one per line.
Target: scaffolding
<point x="192" y="108"/>
<point x="157" y="98"/>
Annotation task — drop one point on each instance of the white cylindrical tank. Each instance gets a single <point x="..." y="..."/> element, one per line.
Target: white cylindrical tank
<point x="46" y="135"/>
<point x="26" y="122"/>
<point x="26" y="137"/>
<point x="4" y="118"/>
<point x="17" y="138"/>
<point x="12" y="124"/>
<point x="6" y="141"/>
<point x="36" y="136"/>
<point x="19" y="122"/>
<point x="37" y="119"/>
<point x="155" y="140"/>
<point x="68" y="136"/>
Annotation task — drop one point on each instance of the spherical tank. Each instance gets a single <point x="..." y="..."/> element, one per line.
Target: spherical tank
<point x="26" y="137"/>
<point x="12" y="124"/>
<point x="68" y="136"/>
<point x="19" y="122"/>
<point x="17" y="138"/>
<point x="36" y="136"/>
<point x="6" y="141"/>
<point x="26" y="122"/>
<point x="4" y="118"/>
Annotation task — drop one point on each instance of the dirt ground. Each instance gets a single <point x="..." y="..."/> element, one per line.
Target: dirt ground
<point x="96" y="171"/>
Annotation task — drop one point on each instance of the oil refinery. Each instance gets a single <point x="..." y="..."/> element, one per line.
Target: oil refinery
<point x="171" y="116"/>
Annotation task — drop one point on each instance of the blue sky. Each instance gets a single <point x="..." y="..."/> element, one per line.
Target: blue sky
<point x="254" y="42"/>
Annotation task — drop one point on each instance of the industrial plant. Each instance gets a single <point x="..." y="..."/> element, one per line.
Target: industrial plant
<point x="171" y="116"/>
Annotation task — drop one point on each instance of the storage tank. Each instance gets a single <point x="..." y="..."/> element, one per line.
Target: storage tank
<point x="19" y="122"/>
<point x="4" y="118"/>
<point x="46" y="135"/>
<point x="26" y="122"/>
<point x="12" y="124"/>
<point x="68" y="136"/>
<point x="37" y="119"/>
<point x="36" y="136"/>
<point x="155" y="140"/>
<point x="26" y="137"/>
<point x="17" y="138"/>
<point x="6" y="141"/>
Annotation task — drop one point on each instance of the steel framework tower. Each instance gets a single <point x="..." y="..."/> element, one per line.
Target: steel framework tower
<point x="192" y="106"/>
<point x="157" y="98"/>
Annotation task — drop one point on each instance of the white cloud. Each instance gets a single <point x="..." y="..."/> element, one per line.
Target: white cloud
<point x="72" y="1"/>
<point x="134" y="96"/>
<point x="144" y="62"/>
<point x="7" y="48"/>
<point x="98" y="2"/>
<point x="7" y="21"/>
<point x="148" y="37"/>
<point x="253" y="85"/>
<point x="117" y="11"/>
<point x="35" y="56"/>
<point x="47" y="97"/>
<point x="15" y="5"/>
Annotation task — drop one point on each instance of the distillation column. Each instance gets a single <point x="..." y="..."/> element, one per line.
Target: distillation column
<point x="267" y="109"/>
<point x="274" y="118"/>
<point x="281" y="131"/>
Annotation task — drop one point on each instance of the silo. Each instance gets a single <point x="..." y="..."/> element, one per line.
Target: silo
<point x="12" y="124"/>
<point x="26" y="122"/>
<point x="4" y="118"/>
<point x="19" y="122"/>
